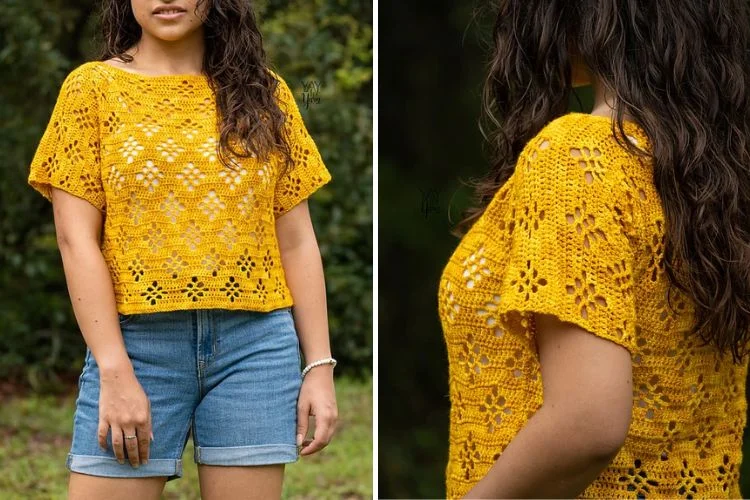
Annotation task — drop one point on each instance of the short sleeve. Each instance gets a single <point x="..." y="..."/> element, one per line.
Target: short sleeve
<point x="567" y="244"/>
<point x="68" y="156"/>
<point x="308" y="172"/>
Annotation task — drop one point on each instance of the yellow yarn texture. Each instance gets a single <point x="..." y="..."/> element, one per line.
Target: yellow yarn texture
<point x="181" y="230"/>
<point x="578" y="232"/>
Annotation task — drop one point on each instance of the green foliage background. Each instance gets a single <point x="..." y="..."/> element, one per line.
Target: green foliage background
<point x="432" y="57"/>
<point x="42" y="40"/>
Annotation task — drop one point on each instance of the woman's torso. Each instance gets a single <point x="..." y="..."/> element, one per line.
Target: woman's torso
<point x="182" y="231"/>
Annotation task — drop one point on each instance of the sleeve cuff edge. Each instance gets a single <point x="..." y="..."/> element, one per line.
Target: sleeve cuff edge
<point x="575" y="319"/>
<point x="306" y="194"/>
<point x="45" y="189"/>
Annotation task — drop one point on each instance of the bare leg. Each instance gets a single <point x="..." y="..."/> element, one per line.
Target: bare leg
<point x="220" y="482"/>
<point x="88" y="487"/>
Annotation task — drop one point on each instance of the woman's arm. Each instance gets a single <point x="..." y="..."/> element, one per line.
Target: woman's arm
<point x="303" y="268"/>
<point x="78" y="228"/>
<point x="582" y="424"/>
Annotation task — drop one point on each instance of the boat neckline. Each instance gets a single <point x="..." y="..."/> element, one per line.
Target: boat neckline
<point x="142" y="76"/>
<point x="602" y="117"/>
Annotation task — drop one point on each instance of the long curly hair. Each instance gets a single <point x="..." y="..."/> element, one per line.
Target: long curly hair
<point x="235" y="64"/>
<point x="681" y="70"/>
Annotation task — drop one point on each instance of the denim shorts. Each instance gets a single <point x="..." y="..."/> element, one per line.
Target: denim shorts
<point x="231" y="378"/>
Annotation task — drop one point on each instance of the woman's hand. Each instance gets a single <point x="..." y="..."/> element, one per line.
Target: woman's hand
<point x="124" y="406"/>
<point x="317" y="399"/>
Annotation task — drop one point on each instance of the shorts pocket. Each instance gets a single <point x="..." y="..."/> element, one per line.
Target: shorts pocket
<point x="83" y="374"/>
<point x="293" y="332"/>
<point x="299" y="357"/>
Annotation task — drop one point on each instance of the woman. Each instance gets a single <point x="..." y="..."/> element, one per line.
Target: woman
<point x="603" y="277"/>
<point x="188" y="157"/>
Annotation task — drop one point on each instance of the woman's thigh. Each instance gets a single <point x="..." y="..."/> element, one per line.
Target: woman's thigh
<point x="257" y="482"/>
<point x="85" y="487"/>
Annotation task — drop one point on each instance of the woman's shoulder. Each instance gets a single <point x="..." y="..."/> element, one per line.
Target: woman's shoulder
<point x="84" y="79"/>
<point x="88" y="70"/>
<point x="579" y="145"/>
<point x="282" y="91"/>
<point x="576" y="130"/>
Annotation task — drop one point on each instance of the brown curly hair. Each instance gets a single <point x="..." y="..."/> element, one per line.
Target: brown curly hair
<point x="681" y="70"/>
<point x="235" y="64"/>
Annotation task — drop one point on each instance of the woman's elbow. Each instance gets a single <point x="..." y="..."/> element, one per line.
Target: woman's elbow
<point x="606" y="433"/>
<point x="595" y="431"/>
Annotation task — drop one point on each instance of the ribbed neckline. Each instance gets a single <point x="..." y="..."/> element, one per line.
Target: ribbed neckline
<point x="140" y="76"/>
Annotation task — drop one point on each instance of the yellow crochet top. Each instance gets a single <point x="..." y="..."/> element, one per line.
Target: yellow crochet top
<point x="577" y="231"/>
<point x="181" y="230"/>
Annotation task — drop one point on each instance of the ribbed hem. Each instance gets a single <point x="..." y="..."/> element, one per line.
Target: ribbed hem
<point x="246" y="455"/>
<point x="182" y="304"/>
<point x="110" y="467"/>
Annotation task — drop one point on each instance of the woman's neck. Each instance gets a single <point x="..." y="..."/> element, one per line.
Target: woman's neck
<point x="179" y="57"/>
<point x="604" y="101"/>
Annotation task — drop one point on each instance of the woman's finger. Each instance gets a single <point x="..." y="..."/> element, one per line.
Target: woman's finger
<point x="303" y="413"/>
<point x="315" y="445"/>
<point x="332" y="425"/>
<point x="101" y="434"/>
<point x="117" y="444"/>
<point x="320" y="438"/>
<point x="144" y="440"/>
<point x="131" y="445"/>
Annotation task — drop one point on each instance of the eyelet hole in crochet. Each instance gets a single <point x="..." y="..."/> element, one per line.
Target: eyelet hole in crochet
<point x="589" y="159"/>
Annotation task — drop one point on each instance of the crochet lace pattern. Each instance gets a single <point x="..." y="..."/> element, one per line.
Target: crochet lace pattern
<point x="578" y="232"/>
<point x="181" y="230"/>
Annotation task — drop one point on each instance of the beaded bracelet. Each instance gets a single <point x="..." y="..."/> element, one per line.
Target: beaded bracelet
<point x="326" y="361"/>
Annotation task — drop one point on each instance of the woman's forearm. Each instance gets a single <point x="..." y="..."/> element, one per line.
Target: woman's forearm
<point x="548" y="458"/>
<point x="303" y="268"/>
<point x="92" y="294"/>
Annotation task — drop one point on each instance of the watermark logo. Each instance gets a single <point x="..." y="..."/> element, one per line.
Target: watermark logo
<point x="310" y="92"/>
<point x="430" y="201"/>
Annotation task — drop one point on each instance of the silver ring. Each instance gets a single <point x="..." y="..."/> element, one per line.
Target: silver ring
<point x="130" y="437"/>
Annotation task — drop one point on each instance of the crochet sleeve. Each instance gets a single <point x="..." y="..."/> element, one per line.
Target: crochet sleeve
<point x="67" y="156"/>
<point x="308" y="172"/>
<point x="569" y="249"/>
